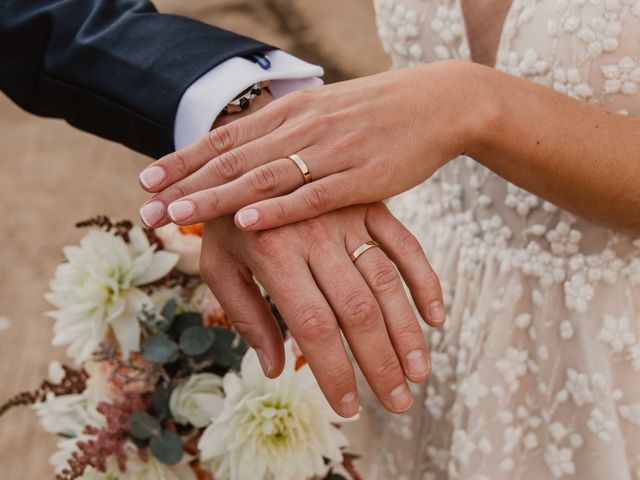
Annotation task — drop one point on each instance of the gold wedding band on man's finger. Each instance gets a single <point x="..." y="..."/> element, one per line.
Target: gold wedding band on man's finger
<point x="363" y="248"/>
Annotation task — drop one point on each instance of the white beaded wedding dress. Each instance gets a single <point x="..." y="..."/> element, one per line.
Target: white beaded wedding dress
<point x="537" y="372"/>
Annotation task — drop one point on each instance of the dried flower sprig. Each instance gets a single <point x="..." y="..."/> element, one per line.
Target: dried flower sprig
<point x="108" y="441"/>
<point x="103" y="222"/>
<point x="74" y="381"/>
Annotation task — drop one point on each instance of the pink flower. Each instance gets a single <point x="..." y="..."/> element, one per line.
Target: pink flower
<point x="113" y="381"/>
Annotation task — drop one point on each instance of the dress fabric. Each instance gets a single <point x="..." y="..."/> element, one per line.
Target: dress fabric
<point x="536" y="374"/>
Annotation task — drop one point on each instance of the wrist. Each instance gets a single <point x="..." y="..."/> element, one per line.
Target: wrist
<point x="258" y="102"/>
<point x="462" y="96"/>
<point x="483" y="124"/>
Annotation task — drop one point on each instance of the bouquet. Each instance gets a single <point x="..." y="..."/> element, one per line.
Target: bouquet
<point x="162" y="388"/>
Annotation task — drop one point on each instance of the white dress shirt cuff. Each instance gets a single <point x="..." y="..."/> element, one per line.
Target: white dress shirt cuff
<point x="206" y="98"/>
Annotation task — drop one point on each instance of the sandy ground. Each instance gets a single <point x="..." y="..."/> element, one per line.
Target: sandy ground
<point x="53" y="175"/>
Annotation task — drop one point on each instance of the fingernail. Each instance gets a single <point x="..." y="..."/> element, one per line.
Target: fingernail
<point x="349" y="405"/>
<point x="181" y="210"/>
<point x="436" y="312"/>
<point x="417" y="364"/>
<point x="265" y="363"/>
<point x="401" y="398"/>
<point x="152" y="177"/>
<point x="249" y="217"/>
<point x="152" y="213"/>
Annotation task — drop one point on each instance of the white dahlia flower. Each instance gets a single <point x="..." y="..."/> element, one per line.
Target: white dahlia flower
<point x="278" y="429"/>
<point x="97" y="289"/>
<point x="198" y="400"/>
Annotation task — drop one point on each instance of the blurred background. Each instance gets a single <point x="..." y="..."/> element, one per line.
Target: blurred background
<point x="53" y="176"/>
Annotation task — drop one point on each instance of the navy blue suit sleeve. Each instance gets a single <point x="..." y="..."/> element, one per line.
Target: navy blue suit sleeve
<point x="115" y="68"/>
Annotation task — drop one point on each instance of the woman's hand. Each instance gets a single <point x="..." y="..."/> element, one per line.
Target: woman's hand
<point x="363" y="141"/>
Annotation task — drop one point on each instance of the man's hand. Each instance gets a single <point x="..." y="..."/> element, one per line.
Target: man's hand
<point x="320" y="292"/>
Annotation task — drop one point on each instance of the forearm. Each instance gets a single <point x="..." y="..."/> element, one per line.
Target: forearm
<point x="582" y="158"/>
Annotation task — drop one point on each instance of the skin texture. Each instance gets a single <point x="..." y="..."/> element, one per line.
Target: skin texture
<point x="322" y="294"/>
<point x="361" y="150"/>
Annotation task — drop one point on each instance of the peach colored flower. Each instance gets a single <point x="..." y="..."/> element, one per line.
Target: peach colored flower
<point x="113" y="381"/>
<point x="186" y="242"/>
<point x="205" y="302"/>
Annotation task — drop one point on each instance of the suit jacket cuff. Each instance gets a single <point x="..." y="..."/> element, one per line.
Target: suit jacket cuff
<point x="203" y="101"/>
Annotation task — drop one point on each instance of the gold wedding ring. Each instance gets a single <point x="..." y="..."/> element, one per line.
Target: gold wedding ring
<point x="303" y="167"/>
<point x="363" y="248"/>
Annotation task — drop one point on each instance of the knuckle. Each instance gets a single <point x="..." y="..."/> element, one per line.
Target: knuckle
<point x="178" y="190"/>
<point x="408" y="244"/>
<point x="384" y="279"/>
<point x="221" y="138"/>
<point x="264" y="180"/>
<point x="388" y="370"/>
<point x="316" y="230"/>
<point x="246" y="329"/>
<point x="228" y="165"/>
<point x="180" y="163"/>
<point x="316" y="197"/>
<point x="429" y="287"/>
<point x="360" y="311"/>
<point x="407" y="331"/>
<point x="212" y="200"/>
<point x="268" y="243"/>
<point x="315" y="323"/>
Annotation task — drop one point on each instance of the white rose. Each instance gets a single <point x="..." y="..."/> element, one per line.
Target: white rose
<point x="197" y="401"/>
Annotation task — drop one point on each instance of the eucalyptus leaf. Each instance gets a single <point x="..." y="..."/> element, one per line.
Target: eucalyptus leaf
<point x="161" y="398"/>
<point x="144" y="426"/>
<point x="196" y="340"/>
<point x="167" y="448"/>
<point x="169" y="310"/>
<point x="225" y="355"/>
<point x="224" y="335"/>
<point x="182" y="321"/>
<point x="159" y="348"/>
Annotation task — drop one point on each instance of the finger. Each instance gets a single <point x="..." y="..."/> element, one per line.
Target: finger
<point x="254" y="158"/>
<point x="407" y="253"/>
<point x="363" y="325"/>
<point x="275" y="178"/>
<point x="403" y="327"/>
<point x="182" y="163"/>
<point x="313" y="325"/>
<point x="311" y="200"/>
<point x="242" y="301"/>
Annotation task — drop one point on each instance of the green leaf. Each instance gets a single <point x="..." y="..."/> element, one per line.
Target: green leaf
<point x="167" y="448"/>
<point x="161" y="398"/>
<point x="196" y="340"/>
<point x="185" y="320"/>
<point x="225" y="354"/>
<point x="144" y="425"/>
<point x="159" y="348"/>
<point x="169" y="310"/>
